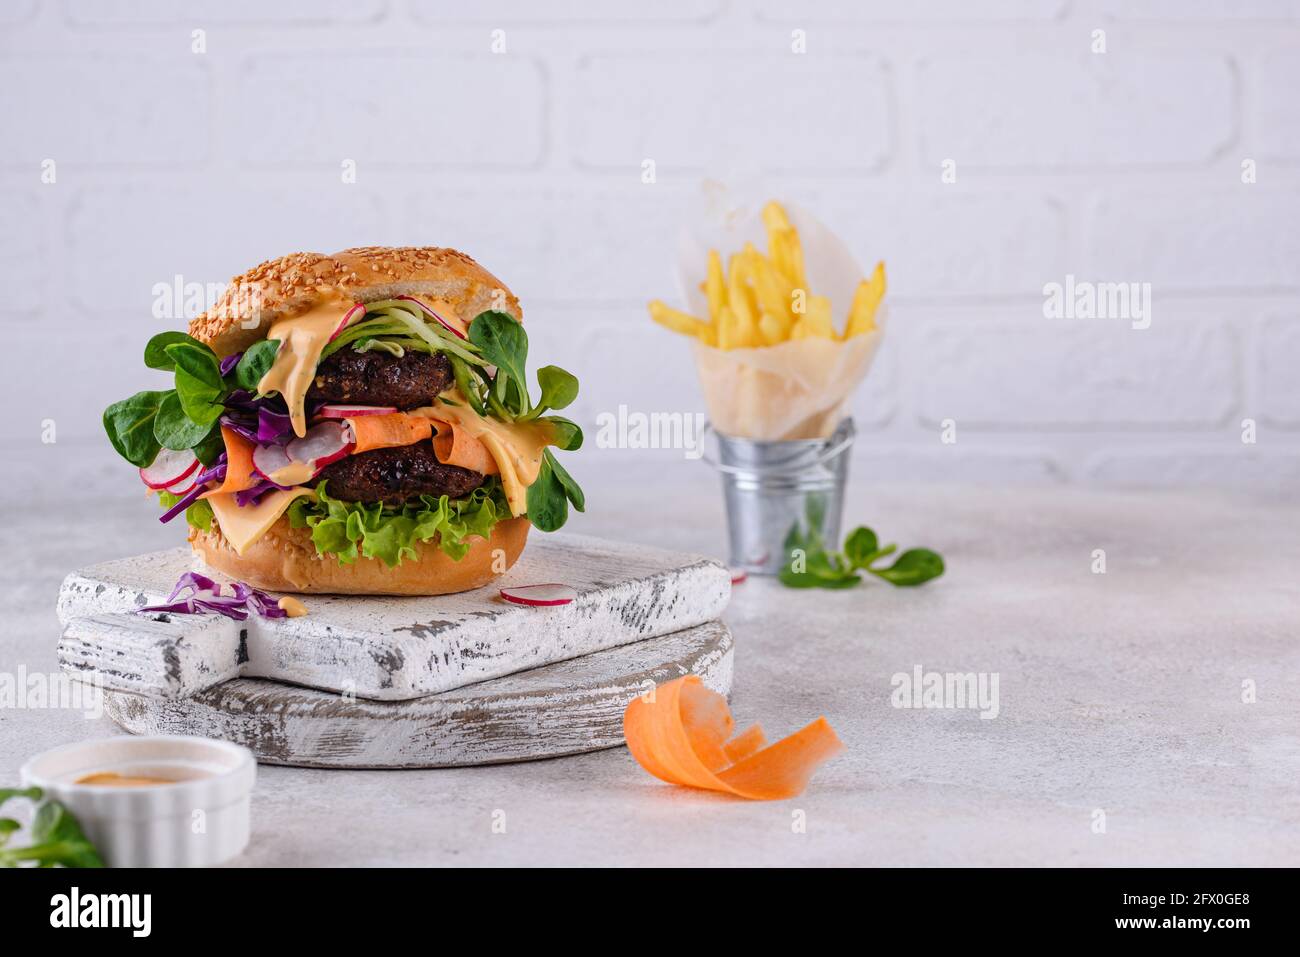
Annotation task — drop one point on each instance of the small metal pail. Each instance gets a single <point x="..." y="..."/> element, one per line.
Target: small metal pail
<point x="775" y="488"/>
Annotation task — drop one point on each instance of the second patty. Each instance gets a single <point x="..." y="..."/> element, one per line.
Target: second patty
<point x="393" y="476"/>
<point x="379" y="378"/>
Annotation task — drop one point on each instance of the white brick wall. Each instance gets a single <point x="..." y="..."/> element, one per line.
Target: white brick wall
<point x="1123" y="166"/>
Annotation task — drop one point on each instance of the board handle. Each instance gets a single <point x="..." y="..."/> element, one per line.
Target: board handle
<point x="170" y="656"/>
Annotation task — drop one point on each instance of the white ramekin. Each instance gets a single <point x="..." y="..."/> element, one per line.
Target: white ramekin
<point x="191" y="823"/>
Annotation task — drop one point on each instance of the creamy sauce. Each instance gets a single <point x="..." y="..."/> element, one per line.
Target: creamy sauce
<point x="111" y="779"/>
<point x="295" y="473"/>
<point x="517" y="447"/>
<point x="292" y="606"/>
<point x="445" y="309"/>
<point x="301" y="340"/>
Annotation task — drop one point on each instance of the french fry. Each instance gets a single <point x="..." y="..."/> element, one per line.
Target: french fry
<point x="678" y="321"/>
<point x="727" y="329"/>
<point x="792" y="249"/>
<point x="776" y="257"/>
<point x="756" y="299"/>
<point x="747" y="334"/>
<point x="800" y="330"/>
<point x="866" y="300"/>
<point x="778" y="244"/>
<point x="715" y="286"/>
<point x="774" y="330"/>
<point x="739" y="295"/>
<point x="771" y="288"/>
<point x="774" y="218"/>
<point x="817" y="320"/>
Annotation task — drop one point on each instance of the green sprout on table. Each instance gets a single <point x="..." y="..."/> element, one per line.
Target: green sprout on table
<point x="812" y="565"/>
<point x="57" y="837"/>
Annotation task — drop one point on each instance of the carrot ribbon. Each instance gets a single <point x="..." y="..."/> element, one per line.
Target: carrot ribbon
<point x="388" y="431"/>
<point x="451" y="445"/>
<point x="682" y="733"/>
<point x="239" y="464"/>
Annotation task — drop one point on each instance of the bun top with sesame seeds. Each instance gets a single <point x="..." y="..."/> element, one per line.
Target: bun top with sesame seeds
<point x="291" y="285"/>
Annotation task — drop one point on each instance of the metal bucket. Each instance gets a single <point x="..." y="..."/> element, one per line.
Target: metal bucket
<point x="774" y="489"/>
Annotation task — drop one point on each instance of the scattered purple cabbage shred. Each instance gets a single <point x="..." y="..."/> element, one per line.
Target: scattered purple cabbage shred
<point x="206" y="595"/>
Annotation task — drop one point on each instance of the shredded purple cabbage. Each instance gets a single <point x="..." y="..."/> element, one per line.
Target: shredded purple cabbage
<point x="262" y="420"/>
<point x="193" y="580"/>
<point x="214" y="473"/>
<point x="239" y="398"/>
<point x="241" y="426"/>
<point x="188" y="499"/>
<point x="252" y="495"/>
<point x="273" y="428"/>
<point x="206" y="596"/>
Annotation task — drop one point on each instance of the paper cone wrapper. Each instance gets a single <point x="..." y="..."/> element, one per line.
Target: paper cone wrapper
<point x="795" y="390"/>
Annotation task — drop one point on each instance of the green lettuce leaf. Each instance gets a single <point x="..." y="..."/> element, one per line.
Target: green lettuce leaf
<point x="347" y="530"/>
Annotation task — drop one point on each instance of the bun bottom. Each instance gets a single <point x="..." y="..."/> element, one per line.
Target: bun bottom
<point x="285" y="560"/>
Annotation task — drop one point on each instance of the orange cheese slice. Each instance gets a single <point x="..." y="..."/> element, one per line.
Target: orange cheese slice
<point x="682" y="733"/>
<point x="242" y="526"/>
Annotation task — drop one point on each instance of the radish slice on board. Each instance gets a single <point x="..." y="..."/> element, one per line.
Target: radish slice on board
<point x="352" y="411"/>
<point x="430" y="310"/>
<point x="738" y="575"/>
<point x="540" y="595"/>
<point x="169" y="468"/>
<point x="324" y="443"/>
<point x="346" y="321"/>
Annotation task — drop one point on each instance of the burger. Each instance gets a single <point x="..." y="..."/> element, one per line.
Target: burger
<point x="360" y="423"/>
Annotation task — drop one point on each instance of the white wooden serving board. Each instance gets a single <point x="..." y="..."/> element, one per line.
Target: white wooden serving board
<point x="565" y="708"/>
<point x="382" y="648"/>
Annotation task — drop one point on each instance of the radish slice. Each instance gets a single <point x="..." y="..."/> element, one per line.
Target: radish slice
<point x="429" y="309"/>
<point x="324" y="443"/>
<point x="269" y="459"/>
<point x="185" y="485"/>
<point x="352" y="411"/>
<point x="340" y="454"/>
<point x="168" y="468"/>
<point x="738" y="575"/>
<point x="540" y="595"/>
<point x="348" y="316"/>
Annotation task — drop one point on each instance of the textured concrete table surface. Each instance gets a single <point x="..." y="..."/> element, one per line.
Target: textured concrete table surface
<point x="1120" y="694"/>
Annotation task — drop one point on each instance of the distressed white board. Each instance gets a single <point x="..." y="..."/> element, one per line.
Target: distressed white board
<point x="565" y="708"/>
<point x="383" y="648"/>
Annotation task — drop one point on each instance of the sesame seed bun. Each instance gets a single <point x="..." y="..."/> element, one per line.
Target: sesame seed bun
<point x="285" y="560"/>
<point x="289" y="286"/>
